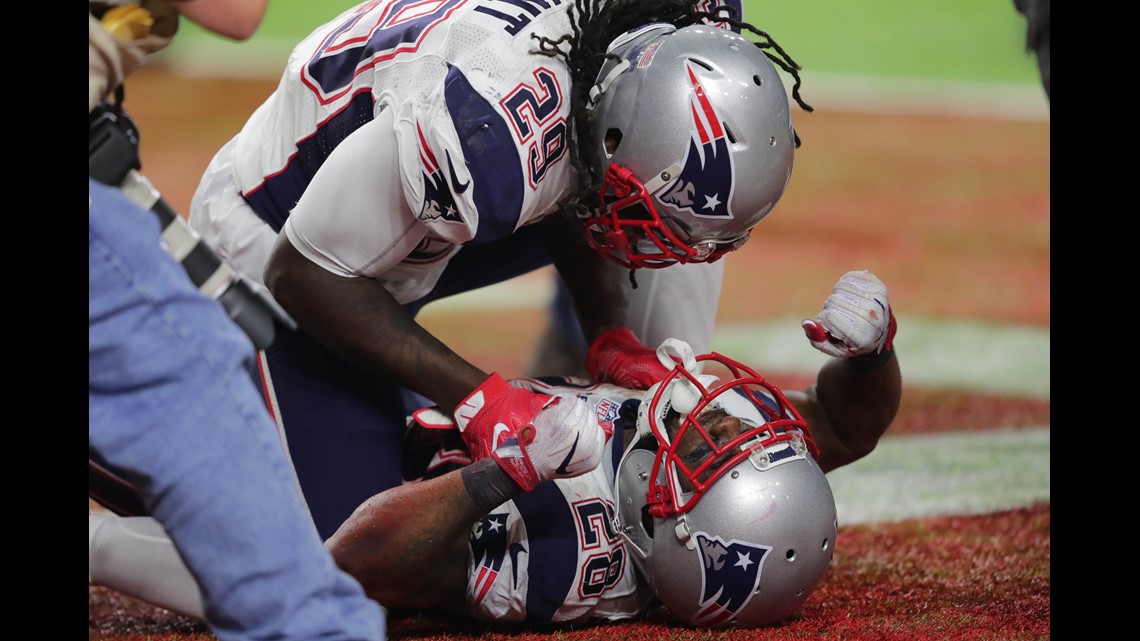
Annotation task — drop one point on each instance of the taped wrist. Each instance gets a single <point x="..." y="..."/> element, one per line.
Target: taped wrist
<point x="487" y="484"/>
<point x="868" y="363"/>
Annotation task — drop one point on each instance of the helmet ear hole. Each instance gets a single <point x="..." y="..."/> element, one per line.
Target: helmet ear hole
<point x="613" y="141"/>
<point x="647" y="521"/>
<point x="729" y="133"/>
<point x="701" y="63"/>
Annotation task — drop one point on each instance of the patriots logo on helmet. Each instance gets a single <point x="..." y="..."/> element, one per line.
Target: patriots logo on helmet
<point x="438" y="199"/>
<point x="488" y="541"/>
<point x="730" y="574"/>
<point x="705" y="184"/>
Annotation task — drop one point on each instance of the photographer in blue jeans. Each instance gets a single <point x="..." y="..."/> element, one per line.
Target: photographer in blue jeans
<point x="173" y="409"/>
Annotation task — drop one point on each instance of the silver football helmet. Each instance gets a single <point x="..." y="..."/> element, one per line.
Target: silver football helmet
<point x="720" y="500"/>
<point x="694" y="131"/>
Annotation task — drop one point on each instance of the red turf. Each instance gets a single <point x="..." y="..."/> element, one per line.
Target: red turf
<point x="967" y="578"/>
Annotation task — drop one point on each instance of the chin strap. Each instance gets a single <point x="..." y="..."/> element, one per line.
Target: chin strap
<point x="682" y="532"/>
<point x="603" y="84"/>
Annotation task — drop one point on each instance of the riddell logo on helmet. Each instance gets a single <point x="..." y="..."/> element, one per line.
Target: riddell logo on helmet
<point x="705" y="184"/>
<point x="763" y="458"/>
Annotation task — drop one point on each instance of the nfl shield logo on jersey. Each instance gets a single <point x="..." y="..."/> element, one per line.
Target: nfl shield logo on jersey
<point x="606" y="413"/>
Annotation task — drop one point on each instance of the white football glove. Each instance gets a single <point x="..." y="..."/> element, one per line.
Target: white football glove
<point x="564" y="440"/>
<point x="856" y="318"/>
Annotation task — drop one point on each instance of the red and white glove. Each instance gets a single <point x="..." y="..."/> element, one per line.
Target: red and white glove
<point x="617" y="357"/>
<point x="856" y="318"/>
<point x="532" y="436"/>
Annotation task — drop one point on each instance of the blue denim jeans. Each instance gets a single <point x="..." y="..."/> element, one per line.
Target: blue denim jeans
<point x="173" y="408"/>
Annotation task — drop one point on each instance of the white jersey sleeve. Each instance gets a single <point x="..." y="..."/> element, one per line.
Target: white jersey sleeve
<point x="346" y="244"/>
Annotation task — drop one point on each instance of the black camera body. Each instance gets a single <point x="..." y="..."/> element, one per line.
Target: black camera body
<point x="114" y="160"/>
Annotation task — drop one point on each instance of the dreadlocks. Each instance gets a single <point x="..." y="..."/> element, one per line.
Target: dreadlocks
<point x="595" y="24"/>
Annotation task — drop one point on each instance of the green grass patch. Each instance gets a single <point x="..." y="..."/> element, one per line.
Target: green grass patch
<point x="976" y="40"/>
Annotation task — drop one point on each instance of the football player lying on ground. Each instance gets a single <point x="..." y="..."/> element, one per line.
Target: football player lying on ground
<point x="705" y="494"/>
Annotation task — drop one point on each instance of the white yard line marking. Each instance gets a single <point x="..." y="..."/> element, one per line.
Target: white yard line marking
<point x="965" y="355"/>
<point x="921" y="475"/>
<point x="961" y="98"/>
<point x="970" y="356"/>
<point x="263" y="58"/>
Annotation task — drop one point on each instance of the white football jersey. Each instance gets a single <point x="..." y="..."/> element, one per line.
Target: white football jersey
<point x="400" y="130"/>
<point x="443" y="103"/>
<point x="554" y="554"/>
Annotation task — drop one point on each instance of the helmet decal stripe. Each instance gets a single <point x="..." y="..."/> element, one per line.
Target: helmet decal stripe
<point x="702" y="133"/>
<point x="706" y="108"/>
<point x="705" y="185"/>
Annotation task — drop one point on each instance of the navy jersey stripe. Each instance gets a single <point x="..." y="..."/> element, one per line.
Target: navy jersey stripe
<point x="276" y="197"/>
<point x="475" y="266"/>
<point x="553" y="539"/>
<point x="497" y="179"/>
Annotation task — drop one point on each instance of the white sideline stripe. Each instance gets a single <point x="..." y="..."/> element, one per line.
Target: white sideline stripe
<point x="907" y="95"/>
<point x="265" y="57"/>
<point x="969" y="356"/>
<point x="961" y="473"/>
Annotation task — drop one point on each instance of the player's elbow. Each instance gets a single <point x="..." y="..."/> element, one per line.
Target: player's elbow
<point x="860" y="447"/>
<point x="385" y="577"/>
<point x="845" y="442"/>
<point x="361" y="547"/>
<point x="283" y="270"/>
<point x="234" y="19"/>
<point x="861" y="437"/>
